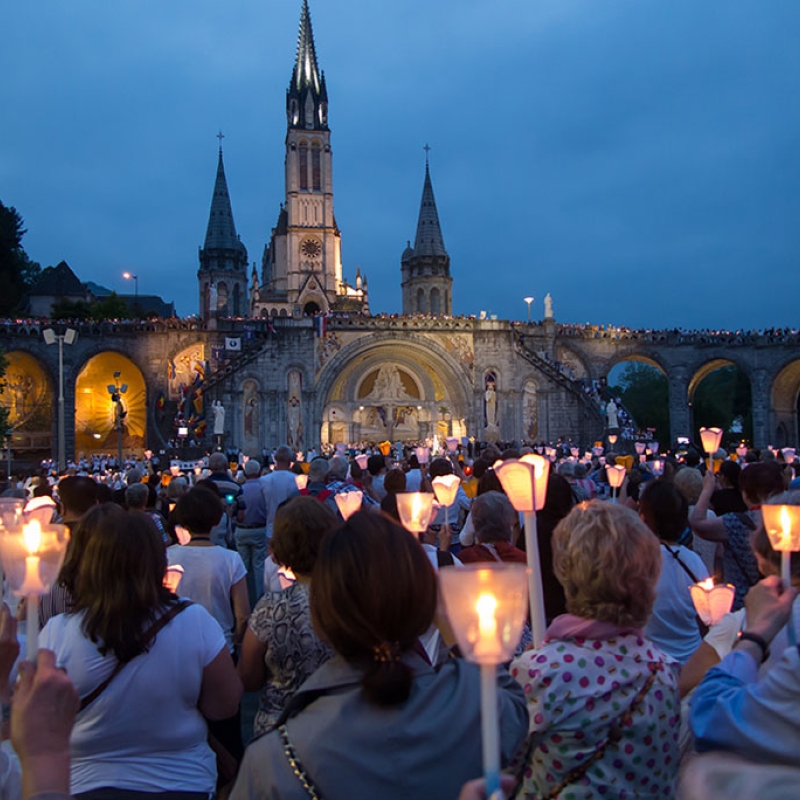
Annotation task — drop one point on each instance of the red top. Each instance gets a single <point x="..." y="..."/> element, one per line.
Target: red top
<point x="486" y="552"/>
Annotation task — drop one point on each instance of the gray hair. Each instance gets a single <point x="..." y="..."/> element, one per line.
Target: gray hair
<point x="338" y="467"/>
<point x="318" y="470"/>
<point x="136" y="495"/>
<point x="493" y="517"/>
<point x="252" y="468"/>
<point x="218" y="462"/>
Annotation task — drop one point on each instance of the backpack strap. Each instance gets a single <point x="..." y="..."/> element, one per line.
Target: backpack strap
<point x="158" y="625"/>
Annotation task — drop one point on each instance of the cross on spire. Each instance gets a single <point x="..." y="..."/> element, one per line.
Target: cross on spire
<point x="220" y="136"/>
<point x="427" y="150"/>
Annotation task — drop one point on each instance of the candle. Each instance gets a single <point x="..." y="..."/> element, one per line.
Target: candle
<point x="488" y="645"/>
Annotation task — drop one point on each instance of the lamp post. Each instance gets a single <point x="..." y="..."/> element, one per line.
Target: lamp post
<point x="529" y="300"/>
<point x="116" y="392"/>
<point x="69" y="336"/>
<point x="135" y="278"/>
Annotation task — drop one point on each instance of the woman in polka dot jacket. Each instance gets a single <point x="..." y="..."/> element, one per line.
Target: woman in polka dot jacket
<point x="603" y="700"/>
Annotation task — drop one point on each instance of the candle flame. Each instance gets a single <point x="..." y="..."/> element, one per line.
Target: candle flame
<point x="32" y="533"/>
<point x="707" y="584"/>
<point x="486" y="606"/>
<point x="786" y="528"/>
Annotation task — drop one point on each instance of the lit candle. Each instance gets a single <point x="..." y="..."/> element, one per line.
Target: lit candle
<point x="785" y="547"/>
<point x="487" y="646"/>
<point x="32" y="535"/>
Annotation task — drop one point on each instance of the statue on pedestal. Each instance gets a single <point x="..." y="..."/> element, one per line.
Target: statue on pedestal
<point x="611" y="414"/>
<point x="548" y="306"/>
<point x="219" y="422"/>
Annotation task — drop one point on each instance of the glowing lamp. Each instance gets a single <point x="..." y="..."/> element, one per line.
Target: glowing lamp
<point x="348" y="502"/>
<point x="612" y="438"/>
<point x="524" y="480"/>
<point x="712" y="602"/>
<point x="32" y="555"/>
<point x="615" y="475"/>
<point x="301" y="481"/>
<point x="485" y="604"/>
<point x="361" y="460"/>
<point x="415" y="510"/>
<point x="782" y="524"/>
<point x="640" y="448"/>
<point x="385" y="448"/>
<point x="574" y="451"/>
<point x="658" y="467"/>
<point x="711" y="439"/>
<point x="423" y="454"/>
<point x="789" y="454"/>
<point x="452" y="444"/>
<point x="445" y="487"/>
<point x="654" y="448"/>
<point x="597" y="450"/>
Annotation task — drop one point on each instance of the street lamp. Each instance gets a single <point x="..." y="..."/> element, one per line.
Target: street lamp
<point x="116" y="392"/>
<point x="135" y="278"/>
<point x="69" y="336"/>
<point x="529" y="300"/>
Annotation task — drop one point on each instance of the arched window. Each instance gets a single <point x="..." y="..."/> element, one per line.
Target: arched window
<point x="316" y="167"/>
<point x="302" y="158"/>
<point x="236" y="300"/>
<point x="421" y="306"/>
<point x="436" y="305"/>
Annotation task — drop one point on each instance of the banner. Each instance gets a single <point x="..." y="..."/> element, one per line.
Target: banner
<point x="232" y="343"/>
<point x="321" y="325"/>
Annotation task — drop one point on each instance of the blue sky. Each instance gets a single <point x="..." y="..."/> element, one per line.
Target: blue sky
<point x="638" y="160"/>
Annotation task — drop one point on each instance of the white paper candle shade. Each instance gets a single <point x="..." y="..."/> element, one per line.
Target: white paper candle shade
<point x="415" y="510"/>
<point x="32" y="556"/>
<point x="712" y="602"/>
<point x="524" y="480"/>
<point x="445" y="487"/>
<point x="348" y="503"/>
<point x="487" y="606"/>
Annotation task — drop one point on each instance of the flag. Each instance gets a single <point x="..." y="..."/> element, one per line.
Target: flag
<point x="233" y="343"/>
<point x="217" y="353"/>
<point x="173" y="371"/>
<point x="160" y="401"/>
<point x="200" y="369"/>
<point x="321" y="325"/>
<point x="197" y="400"/>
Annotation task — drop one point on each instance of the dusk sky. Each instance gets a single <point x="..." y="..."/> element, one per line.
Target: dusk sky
<point x="639" y="161"/>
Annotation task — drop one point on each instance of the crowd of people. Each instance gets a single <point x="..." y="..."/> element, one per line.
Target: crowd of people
<point x="181" y="590"/>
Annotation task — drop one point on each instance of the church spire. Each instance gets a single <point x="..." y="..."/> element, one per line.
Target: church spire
<point x="221" y="231"/>
<point x="429" y="240"/>
<point x="307" y="97"/>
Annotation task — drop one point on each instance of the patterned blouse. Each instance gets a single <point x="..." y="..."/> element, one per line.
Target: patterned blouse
<point x="577" y="690"/>
<point x="282" y="622"/>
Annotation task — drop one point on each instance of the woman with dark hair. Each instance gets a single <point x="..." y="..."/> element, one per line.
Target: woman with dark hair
<point x="280" y="648"/>
<point x="378" y="719"/>
<point x="673" y="625"/>
<point x="757" y="483"/>
<point x="147" y="667"/>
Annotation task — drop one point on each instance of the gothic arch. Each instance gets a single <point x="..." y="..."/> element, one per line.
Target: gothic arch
<point x="702" y="371"/>
<point x="29" y="396"/>
<point x="95" y="413"/>
<point x="784" y="400"/>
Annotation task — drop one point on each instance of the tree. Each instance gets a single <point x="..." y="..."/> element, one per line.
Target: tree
<point x="111" y="307"/>
<point x="17" y="272"/>
<point x="722" y="397"/>
<point x="645" y="393"/>
<point x="4" y="429"/>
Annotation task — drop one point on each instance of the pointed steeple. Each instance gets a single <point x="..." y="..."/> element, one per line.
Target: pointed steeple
<point x="307" y="97"/>
<point x="221" y="231"/>
<point x="429" y="240"/>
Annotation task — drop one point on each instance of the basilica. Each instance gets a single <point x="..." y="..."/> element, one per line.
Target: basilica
<point x="294" y="353"/>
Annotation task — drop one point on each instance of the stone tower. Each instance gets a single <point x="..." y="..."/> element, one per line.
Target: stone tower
<point x="425" y="268"/>
<point x="223" y="257"/>
<point x="302" y="264"/>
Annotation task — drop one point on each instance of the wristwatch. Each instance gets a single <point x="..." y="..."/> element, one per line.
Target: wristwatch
<point x="744" y="636"/>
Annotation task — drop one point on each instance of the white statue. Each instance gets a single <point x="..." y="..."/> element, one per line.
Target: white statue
<point x="611" y="414"/>
<point x="213" y="299"/>
<point x="548" y="306"/>
<point x="219" y="418"/>
<point x="491" y="404"/>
